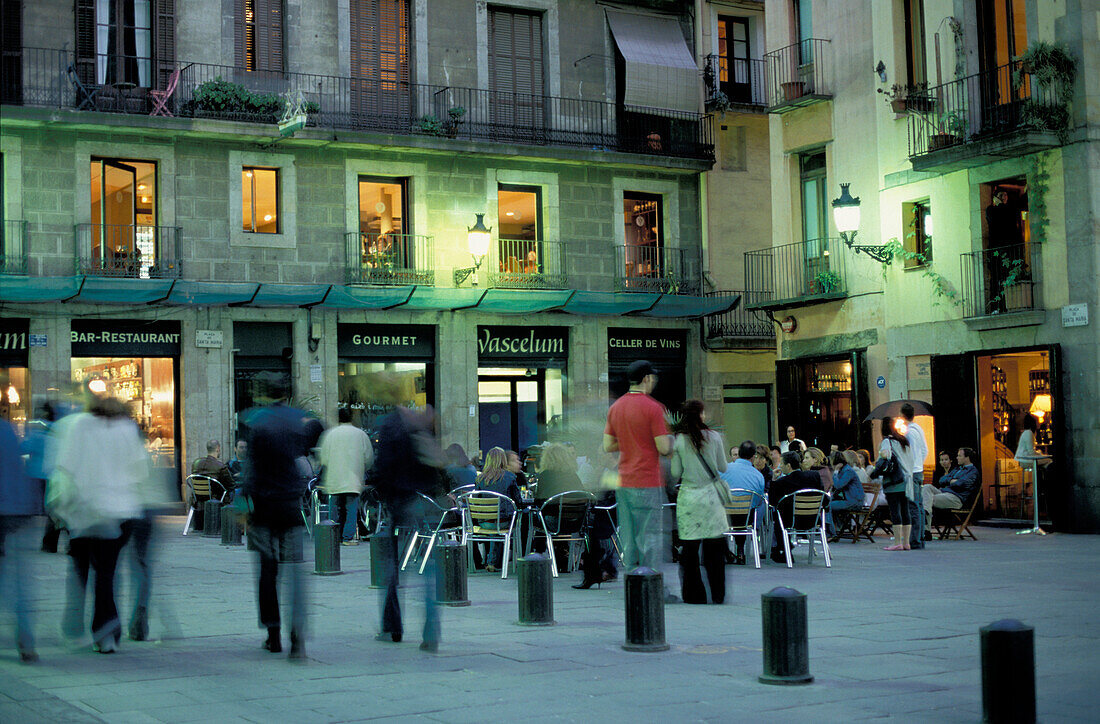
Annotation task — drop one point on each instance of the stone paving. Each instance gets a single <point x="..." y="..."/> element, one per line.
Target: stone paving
<point x="891" y="635"/>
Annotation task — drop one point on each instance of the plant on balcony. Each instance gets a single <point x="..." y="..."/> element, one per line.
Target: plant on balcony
<point x="826" y="281"/>
<point x="221" y="97"/>
<point x="718" y="102"/>
<point x="430" y="125"/>
<point x="903" y="97"/>
<point x="950" y="129"/>
<point x="454" y="120"/>
<point x="1052" y="70"/>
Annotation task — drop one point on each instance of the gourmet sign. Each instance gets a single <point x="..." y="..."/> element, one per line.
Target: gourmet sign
<point x="124" y="338"/>
<point x="391" y="341"/>
<point x="522" y="344"/>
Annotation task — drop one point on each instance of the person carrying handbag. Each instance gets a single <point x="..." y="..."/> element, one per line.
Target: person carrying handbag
<point x="698" y="455"/>
<point x="893" y="466"/>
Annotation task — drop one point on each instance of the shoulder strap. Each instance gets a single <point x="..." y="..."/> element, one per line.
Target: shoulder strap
<point x="699" y="455"/>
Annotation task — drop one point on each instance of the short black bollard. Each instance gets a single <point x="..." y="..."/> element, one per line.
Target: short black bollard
<point x="231" y="527"/>
<point x="378" y="542"/>
<point x="326" y="549"/>
<point x="211" y="519"/>
<point x="1008" y="672"/>
<point x="536" y="591"/>
<point x="645" y="610"/>
<point x="786" y="637"/>
<point x="450" y="574"/>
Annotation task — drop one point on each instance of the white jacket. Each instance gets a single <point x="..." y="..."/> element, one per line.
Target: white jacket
<point x="346" y="454"/>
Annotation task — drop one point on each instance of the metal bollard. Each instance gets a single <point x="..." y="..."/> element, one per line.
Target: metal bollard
<point x="645" y="610"/>
<point x="326" y="549"/>
<point x="231" y="527"/>
<point x="211" y="519"/>
<point x="536" y="591"/>
<point x="450" y="574"/>
<point x="1008" y="672"/>
<point x="786" y="638"/>
<point x="378" y="560"/>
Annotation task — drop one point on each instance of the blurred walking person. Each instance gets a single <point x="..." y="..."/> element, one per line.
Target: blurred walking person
<point x="95" y="492"/>
<point x="18" y="501"/>
<point x="408" y="462"/>
<point x="274" y="486"/>
<point x="33" y="447"/>
<point x="346" y="455"/>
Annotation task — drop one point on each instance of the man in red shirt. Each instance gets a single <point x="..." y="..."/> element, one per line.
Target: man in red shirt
<point x="636" y="428"/>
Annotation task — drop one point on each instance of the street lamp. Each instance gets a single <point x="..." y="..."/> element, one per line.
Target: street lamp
<point x="846" y="218"/>
<point x="477" y="243"/>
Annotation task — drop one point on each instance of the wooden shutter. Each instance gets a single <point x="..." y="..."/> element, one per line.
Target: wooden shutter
<point x="11" y="55"/>
<point x="164" y="41"/>
<point x="85" y="40"/>
<point x="267" y="27"/>
<point x="380" y="58"/>
<point x="516" y="68"/>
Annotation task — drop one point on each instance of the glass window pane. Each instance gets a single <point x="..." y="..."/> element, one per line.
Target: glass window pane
<point x="373" y="389"/>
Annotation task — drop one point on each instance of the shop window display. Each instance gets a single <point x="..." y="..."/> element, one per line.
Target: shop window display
<point x="373" y="389"/>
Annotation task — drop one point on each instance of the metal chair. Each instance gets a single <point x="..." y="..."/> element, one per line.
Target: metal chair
<point x="570" y="512"/>
<point x="807" y="518"/>
<point x="85" y="96"/>
<point x="741" y="514"/>
<point x="461" y="490"/>
<point x="489" y="517"/>
<point x="312" y="506"/>
<point x="200" y="485"/>
<point x="611" y="520"/>
<point x="449" y="525"/>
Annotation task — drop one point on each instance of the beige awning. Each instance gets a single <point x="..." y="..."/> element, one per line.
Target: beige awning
<point x="660" y="69"/>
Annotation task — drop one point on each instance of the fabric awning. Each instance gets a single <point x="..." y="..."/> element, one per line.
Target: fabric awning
<point x="367" y="297"/>
<point x="38" y="289"/>
<point x="212" y="293"/>
<point x="431" y="299"/>
<point x="674" y="306"/>
<point x="660" y="69"/>
<point x="609" y="303"/>
<point x="107" y="290"/>
<point x="525" y="301"/>
<point x="290" y="295"/>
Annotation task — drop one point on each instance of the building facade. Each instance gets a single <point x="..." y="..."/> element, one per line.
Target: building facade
<point x="197" y="192"/>
<point x="966" y="130"/>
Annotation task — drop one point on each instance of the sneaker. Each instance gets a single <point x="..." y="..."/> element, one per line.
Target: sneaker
<point x="351" y="542"/>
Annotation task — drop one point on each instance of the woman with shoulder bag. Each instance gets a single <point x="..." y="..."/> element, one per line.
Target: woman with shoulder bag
<point x="697" y="458"/>
<point x="895" y="459"/>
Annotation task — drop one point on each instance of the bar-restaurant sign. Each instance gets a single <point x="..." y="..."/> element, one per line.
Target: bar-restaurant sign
<point x="13" y="342"/>
<point x="124" y="338"/>
<point x="392" y="341"/>
<point x="498" y="343"/>
<point x="650" y="344"/>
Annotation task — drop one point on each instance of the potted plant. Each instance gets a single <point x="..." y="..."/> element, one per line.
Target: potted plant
<point x="908" y="97"/>
<point x="1052" y="70"/>
<point x="951" y="129"/>
<point x="825" y="281"/>
<point x="454" y="116"/>
<point x="793" y="89"/>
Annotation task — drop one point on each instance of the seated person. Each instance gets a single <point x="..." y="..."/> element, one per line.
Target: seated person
<point x="955" y="487"/>
<point x="745" y="474"/>
<point x="496" y="477"/>
<point x="459" y="467"/>
<point x="236" y="465"/>
<point x="212" y="467"/>
<point x="847" y="487"/>
<point x="792" y="479"/>
<point x="946" y="465"/>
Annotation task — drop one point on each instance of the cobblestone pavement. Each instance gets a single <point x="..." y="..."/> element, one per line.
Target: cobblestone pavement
<point x="891" y="635"/>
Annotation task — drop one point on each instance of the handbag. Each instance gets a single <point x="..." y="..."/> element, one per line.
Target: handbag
<point x="720" y="485"/>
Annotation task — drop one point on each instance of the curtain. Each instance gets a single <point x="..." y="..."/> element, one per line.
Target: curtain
<point x="102" y="38"/>
<point x="142" y="32"/>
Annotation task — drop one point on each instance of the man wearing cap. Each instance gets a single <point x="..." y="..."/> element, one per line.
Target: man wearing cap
<point x="636" y="428"/>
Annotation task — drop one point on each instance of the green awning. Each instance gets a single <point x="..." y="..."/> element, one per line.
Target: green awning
<point x="367" y="297"/>
<point x="290" y="295"/>
<point x="212" y="293"/>
<point x="616" y="303"/>
<point x="431" y="299"/>
<point x="38" y="289"/>
<point x="525" y="301"/>
<point x="674" y="306"/>
<point x="108" y="290"/>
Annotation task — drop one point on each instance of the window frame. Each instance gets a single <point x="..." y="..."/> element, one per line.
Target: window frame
<point x="278" y="199"/>
<point x="915" y="238"/>
<point x="916" y="56"/>
<point x="818" y="176"/>
<point x="116" y="64"/>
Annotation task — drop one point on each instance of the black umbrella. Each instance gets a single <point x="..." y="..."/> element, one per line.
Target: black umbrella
<point x="893" y="409"/>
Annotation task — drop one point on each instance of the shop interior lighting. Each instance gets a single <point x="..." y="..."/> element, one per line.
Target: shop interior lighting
<point x="846" y="218"/>
<point x="98" y="386"/>
<point x="13" y="396"/>
<point x="478" y="238"/>
<point x="1039" y="407"/>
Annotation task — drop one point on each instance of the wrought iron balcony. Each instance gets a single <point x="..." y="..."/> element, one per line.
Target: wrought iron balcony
<point x="50" y="78"/>
<point x="389" y="259"/>
<point x="657" y="269"/>
<point x="735" y="82"/>
<point x="521" y="264"/>
<point x="1001" y="280"/>
<point x="799" y="75"/>
<point x="134" y="251"/>
<point x="741" y="323"/>
<point x="985" y="115"/>
<point x="13" y="246"/>
<point x="799" y="274"/>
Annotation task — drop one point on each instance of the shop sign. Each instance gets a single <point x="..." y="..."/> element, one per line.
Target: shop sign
<point x="1075" y="315"/>
<point x="124" y="338"/>
<point x="208" y="338"/>
<point x="650" y="344"/>
<point x="391" y="341"/>
<point x="13" y="342"/>
<point x="522" y="344"/>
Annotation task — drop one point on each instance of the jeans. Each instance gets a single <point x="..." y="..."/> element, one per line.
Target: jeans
<point x="406" y="514"/>
<point x="639" y="512"/>
<point x="15" y="568"/>
<point x="283" y="546"/>
<point x="340" y="503"/>
<point x="98" y="556"/>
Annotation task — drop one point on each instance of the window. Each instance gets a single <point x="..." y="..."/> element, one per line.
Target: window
<point x="260" y="34"/>
<point x="516" y="67"/>
<point x="122" y="239"/>
<point x="642" y="232"/>
<point x="915" y="66"/>
<point x="519" y="229"/>
<point x="260" y="200"/>
<point x="734" y="77"/>
<point x="815" y="221"/>
<point x="917" y="216"/>
<point x="380" y="57"/>
<point x="125" y="43"/>
<point x="384" y="229"/>
<point x="803" y="29"/>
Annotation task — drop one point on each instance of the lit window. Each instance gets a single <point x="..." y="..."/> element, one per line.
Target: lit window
<point x="918" y="232"/>
<point x="260" y="200"/>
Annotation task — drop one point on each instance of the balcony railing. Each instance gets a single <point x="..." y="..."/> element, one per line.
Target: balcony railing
<point x="212" y="91"/>
<point x="981" y="106"/>
<point x="805" y="272"/>
<point x="521" y="264"/>
<point x="799" y="74"/>
<point x="135" y="251"/>
<point x="389" y="259"/>
<point x="734" y="81"/>
<point x="13" y="246"/>
<point x="740" y="323"/>
<point x="1001" y="280"/>
<point x="657" y="269"/>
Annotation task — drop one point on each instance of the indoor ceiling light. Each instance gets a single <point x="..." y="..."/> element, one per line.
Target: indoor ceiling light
<point x="267" y="217"/>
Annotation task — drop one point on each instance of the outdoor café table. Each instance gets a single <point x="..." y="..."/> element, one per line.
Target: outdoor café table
<point x="1033" y="460"/>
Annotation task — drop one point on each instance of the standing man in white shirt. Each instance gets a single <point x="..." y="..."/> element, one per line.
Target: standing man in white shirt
<point x="346" y="455"/>
<point x="785" y="446"/>
<point x="919" y="446"/>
